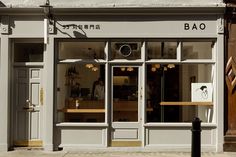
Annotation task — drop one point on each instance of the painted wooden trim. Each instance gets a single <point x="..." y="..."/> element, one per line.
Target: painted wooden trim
<point x="187" y="103"/>
<point x="178" y="125"/>
<point x="76" y="124"/>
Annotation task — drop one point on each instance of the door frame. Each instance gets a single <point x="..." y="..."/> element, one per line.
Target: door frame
<point x="140" y="140"/>
<point x="15" y="66"/>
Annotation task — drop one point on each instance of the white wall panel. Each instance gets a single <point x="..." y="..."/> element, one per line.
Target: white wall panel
<point x="26" y="26"/>
<point x="82" y="136"/>
<point x="177" y="136"/>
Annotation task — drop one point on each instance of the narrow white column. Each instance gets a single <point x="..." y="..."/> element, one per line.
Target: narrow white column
<point x="219" y="108"/>
<point x="4" y="93"/>
<point x="45" y="29"/>
<point x="49" y="95"/>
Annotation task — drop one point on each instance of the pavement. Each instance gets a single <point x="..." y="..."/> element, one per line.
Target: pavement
<point x="41" y="153"/>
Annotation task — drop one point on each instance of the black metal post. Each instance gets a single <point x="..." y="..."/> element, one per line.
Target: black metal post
<point x="196" y="137"/>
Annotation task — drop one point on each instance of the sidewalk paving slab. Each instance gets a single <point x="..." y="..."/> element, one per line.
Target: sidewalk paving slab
<point x="39" y="153"/>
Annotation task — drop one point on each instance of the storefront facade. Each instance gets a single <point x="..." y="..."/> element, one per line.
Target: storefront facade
<point x="123" y="77"/>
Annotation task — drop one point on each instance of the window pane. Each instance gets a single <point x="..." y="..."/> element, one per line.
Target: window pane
<point x="125" y="94"/>
<point x="28" y="52"/>
<point x="81" y="92"/>
<point x="174" y="83"/>
<point x="162" y="50"/>
<point x="81" y="50"/>
<point x="126" y="50"/>
<point x="197" y="50"/>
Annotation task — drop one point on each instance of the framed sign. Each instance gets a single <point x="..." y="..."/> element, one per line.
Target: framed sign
<point x="201" y="92"/>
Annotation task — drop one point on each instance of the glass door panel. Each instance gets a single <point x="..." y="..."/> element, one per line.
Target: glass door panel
<point x="126" y="121"/>
<point x="125" y="94"/>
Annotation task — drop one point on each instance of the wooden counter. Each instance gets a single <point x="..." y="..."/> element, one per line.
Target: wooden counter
<point x="187" y="103"/>
<point x="67" y="110"/>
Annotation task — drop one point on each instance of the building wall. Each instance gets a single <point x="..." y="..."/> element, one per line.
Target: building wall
<point x="19" y="28"/>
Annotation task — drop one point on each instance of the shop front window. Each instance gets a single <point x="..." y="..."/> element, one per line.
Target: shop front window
<point x="129" y="50"/>
<point x="197" y="50"/>
<point x="179" y="92"/>
<point x="80" y="81"/>
<point x="81" y="50"/>
<point x="81" y="92"/>
<point x="162" y="50"/>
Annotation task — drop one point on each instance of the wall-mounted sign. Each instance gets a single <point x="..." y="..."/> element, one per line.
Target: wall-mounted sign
<point x="194" y="26"/>
<point x="151" y="27"/>
<point x="82" y="26"/>
<point x="201" y="92"/>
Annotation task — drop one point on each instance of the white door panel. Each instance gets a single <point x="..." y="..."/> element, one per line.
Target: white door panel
<point x="27" y="105"/>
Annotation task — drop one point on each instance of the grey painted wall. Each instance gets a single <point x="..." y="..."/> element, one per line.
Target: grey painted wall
<point x="113" y="3"/>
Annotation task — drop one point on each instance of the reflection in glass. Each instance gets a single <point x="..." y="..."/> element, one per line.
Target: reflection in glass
<point x="81" y="50"/>
<point x="80" y="93"/>
<point x="125" y="94"/>
<point x="162" y="50"/>
<point x="197" y="50"/>
<point x="126" y="50"/>
<point x="28" y="52"/>
<point x="173" y="84"/>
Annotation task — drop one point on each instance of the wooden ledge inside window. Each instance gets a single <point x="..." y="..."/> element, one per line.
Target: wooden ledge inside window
<point x="165" y="103"/>
<point x="67" y="110"/>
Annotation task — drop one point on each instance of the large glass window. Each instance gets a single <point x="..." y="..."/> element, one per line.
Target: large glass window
<point x="179" y="80"/>
<point x="80" y="81"/>
<point x="170" y="90"/>
<point x="81" y="92"/>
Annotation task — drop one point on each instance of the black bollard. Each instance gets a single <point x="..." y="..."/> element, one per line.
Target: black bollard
<point x="196" y="137"/>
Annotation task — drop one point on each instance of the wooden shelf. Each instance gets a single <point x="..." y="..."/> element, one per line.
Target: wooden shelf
<point x="131" y="109"/>
<point x="67" y="110"/>
<point x="165" y="103"/>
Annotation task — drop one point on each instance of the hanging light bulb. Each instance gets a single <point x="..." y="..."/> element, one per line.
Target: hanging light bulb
<point x="157" y="66"/>
<point x="171" y="66"/>
<point x="89" y="66"/>
<point x="122" y="68"/>
<point x="153" y="69"/>
<point x="130" y="69"/>
<point x="94" y="68"/>
<point x="165" y="68"/>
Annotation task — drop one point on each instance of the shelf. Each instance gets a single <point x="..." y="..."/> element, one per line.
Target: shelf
<point x="131" y="109"/>
<point x="67" y="110"/>
<point x="165" y="103"/>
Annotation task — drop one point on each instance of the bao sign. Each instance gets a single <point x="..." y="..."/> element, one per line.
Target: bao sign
<point x="194" y="26"/>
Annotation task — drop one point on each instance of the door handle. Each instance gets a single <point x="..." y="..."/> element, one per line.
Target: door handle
<point x="28" y="108"/>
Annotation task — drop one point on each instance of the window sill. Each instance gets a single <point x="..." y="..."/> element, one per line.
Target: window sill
<point x="70" y="124"/>
<point x="181" y="125"/>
